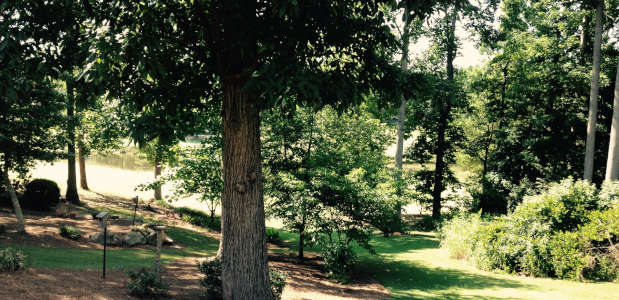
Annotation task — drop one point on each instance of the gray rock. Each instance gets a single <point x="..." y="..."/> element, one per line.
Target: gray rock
<point x="132" y="239"/>
<point x="113" y="239"/>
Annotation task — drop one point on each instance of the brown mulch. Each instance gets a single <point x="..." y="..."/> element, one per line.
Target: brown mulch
<point x="306" y="280"/>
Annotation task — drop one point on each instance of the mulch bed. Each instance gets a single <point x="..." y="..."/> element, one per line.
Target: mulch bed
<point x="306" y="280"/>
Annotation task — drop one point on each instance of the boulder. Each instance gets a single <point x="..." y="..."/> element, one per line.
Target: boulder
<point x="133" y="238"/>
<point x="113" y="239"/>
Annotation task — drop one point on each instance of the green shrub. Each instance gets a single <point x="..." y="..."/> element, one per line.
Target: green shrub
<point x="338" y="260"/>
<point x="70" y="232"/>
<point x="199" y="218"/>
<point x="426" y="223"/>
<point x="457" y="235"/>
<point x="11" y="260"/>
<point x="563" y="205"/>
<point x="41" y="195"/>
<point x="278" y="282"/>
<point x="495" y="195"/>
<point x="568" y="231"/>
<point x="568" y="260"/>
<point x="211" y="282"/>
<point x="146" y="283"/>
<point x="272" y="236"/>
<point x="609" y="194"/>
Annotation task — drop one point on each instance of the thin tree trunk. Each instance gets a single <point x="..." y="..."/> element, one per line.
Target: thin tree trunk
<point x="157" y="175"/>
<point x="442" y="126"/>
<point x="301" y="240"/>
<point x="612" y="164"/>
<point x="16" y="207"/>
<point x="72" y="195"/>
<point x="402" y="112"/>
<point x="593" y="95"/>
<point x="245" y="273"/>
<point x="82" y="162"/>
<point x="585" y="39"/>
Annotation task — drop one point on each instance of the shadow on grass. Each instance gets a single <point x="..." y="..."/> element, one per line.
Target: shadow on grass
<point x="403" y="243"/>
<point x="408" y="280"/>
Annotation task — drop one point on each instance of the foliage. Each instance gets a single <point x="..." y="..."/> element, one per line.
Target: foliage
<point x="11" y="260"/>
<point x="278" y="282"/>
<point x="326" y="173"/>
<point x="41" y="195"/>
<point x="2" y="228"/>
<point x="70" y="232"/>
<point x="272" y="236"/>
<point x="495" y="195"/>
<point x="527" y="120"/>
<point x="211" y="282"/>
<point x="458" y="234"/>
<point x="198" y="173"/>
<point x="565" y="231"/>
<point x="338" y="260"/>
<point x="146" y="283"/>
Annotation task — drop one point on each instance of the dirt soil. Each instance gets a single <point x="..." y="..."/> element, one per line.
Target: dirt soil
<point x="306" y="280"/>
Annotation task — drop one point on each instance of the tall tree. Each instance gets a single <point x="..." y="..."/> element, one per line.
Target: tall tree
<point x="29" y="106"/>
<point x="256" y="54"/>
<point x="612" y="163"/>
<point x="593" y="94"/>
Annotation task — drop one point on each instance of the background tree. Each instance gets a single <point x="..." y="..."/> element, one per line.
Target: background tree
<point x="593" y="94"/>
<point x="29" y="106"/>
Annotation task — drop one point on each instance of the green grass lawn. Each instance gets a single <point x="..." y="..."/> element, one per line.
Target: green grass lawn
<point x="414" y="267"/>
<point x="195" y="244"/>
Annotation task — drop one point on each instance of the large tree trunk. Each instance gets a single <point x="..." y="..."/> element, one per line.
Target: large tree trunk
<point x="245" y="273"/>
<point x="593" y="95"/>
<point x="82" y="162"/>
<point x="16" y="207"/>
<point x="157" y="175"/>
<point x="71" y="195"/>
<point x="445" y="109"/>
<point x="612" y="164"/>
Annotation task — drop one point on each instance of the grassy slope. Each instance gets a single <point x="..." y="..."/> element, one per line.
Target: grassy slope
<point x="414" y="267"/>
<point x="196" y="245"/>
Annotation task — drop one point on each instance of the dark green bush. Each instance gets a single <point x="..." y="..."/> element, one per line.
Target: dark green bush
<point x="211" y="282"/>
<point x="199" y="218"/>
<point x="338" y="260"/>
<point x="272" y="236"/>
<point x="495" y="195"/>
<point x="11" y="260"/>
<point x="558" y="233"/>
<point x="41" y="195"/>
<point x="278" y="282"/>
<point x="147" y="284"/>
<point x="70" y="232"/>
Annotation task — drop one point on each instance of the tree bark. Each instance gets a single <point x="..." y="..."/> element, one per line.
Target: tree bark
<point x="402" y="110"/>
<point x="82" y="162"/>
<point x="72" y="195"/>
<point x="443" y="119"/>
<point x="399" y="152"/>
<point x="16" y="207"/>
<point x="593" y="95"/>
<point x="245" y="273"/>
<point x="612" y="163"/>
<point x="157" y="175"/>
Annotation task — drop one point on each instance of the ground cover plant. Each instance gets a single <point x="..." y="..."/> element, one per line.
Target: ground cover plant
<point x="569" y="231"/>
